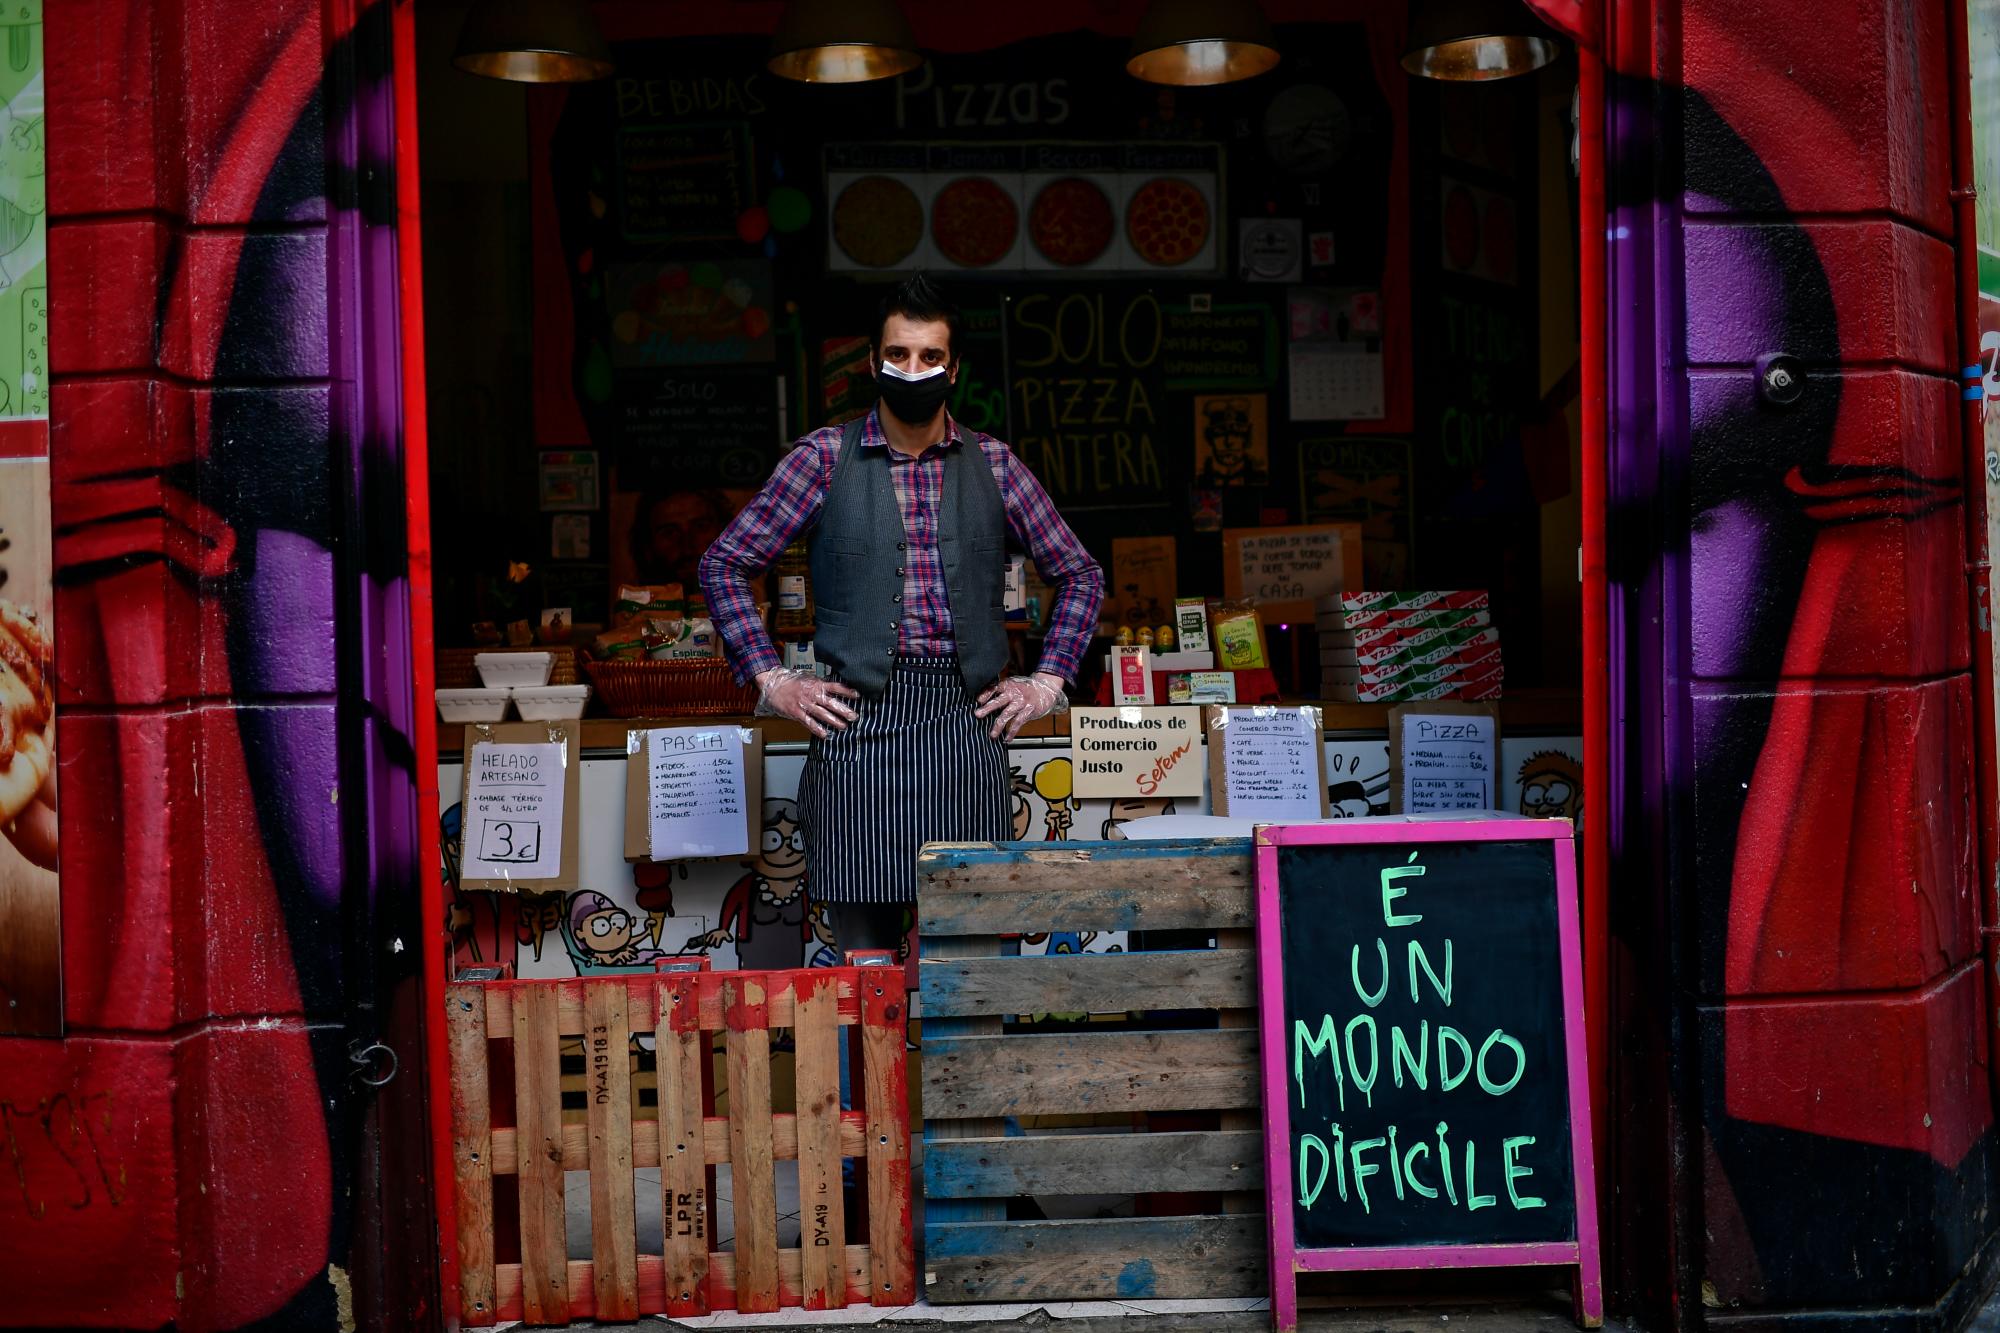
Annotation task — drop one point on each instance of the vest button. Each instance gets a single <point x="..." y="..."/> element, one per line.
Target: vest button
<point x="901" y="547"/>
<point x="899" y="597"/>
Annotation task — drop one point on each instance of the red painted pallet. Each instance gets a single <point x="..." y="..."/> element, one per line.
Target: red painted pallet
<point x="509" y="1141"/>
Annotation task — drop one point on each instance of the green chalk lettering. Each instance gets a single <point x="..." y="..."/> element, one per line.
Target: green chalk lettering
<point x="1513" y="1169"/>
<point x="1395" y="1164"/>
<point x="1390" y="893"/>
<point x="1304" y="1043"/>
<point x="1410" y="1169"/>
<point x="1418" y="958"/>
<point x="1474" y="1200"/>
<point x="1444" y="1162"/>
<point x="1520" y="1063"/>
<point x="1310" y="1192"/>
<point x="1447" y="1035"/>
<point x="1363" y="1170"/>
<point x="1367" y="1085"/>
<point x="1399" y="1054"/>
<point x="1340" y="1161"/>
<point x="1354" y="971"/>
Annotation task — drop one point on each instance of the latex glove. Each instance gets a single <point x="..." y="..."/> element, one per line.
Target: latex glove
<point x="821" y="705"/>
<point x="1015" y="701"/>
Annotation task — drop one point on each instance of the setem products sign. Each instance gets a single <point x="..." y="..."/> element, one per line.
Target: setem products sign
<point x="1423" y="1045"/>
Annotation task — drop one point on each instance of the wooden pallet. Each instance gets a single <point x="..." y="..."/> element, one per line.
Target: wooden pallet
<point x="977" y="1076"/>
<point x="508" y="1134"/>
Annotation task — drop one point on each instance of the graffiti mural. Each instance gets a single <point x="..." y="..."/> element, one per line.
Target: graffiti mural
<point x="221" y="954"/>
<point x="1789" y="534"/>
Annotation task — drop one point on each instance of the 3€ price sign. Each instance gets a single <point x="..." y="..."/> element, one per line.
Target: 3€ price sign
<point x="514" y="811"/>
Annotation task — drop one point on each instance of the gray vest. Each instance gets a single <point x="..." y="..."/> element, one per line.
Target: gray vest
<point x="858" y="547"/>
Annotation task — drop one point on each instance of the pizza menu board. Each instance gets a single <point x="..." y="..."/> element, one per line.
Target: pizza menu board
<point x="682" y="182"/>
<point x="1424" y="1075"/>
<point x="1051" y="208"/>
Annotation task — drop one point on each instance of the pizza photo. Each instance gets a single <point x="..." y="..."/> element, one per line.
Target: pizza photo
<point x="974" y="221"/>
<point x="1167" y="222"/>
<point x="878" y="221"/>
<point x="27" y="706"/>
<point x="1071" y="222"/>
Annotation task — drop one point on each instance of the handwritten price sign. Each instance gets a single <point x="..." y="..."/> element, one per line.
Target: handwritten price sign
<point x="1284" y="570"/>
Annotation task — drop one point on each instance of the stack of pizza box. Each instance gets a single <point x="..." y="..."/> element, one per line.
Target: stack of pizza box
<point x="1395" y="647"/>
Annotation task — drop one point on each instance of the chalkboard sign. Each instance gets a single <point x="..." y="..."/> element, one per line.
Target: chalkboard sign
<point x="680" y="429"/>
<point x="1424" y="1089"/>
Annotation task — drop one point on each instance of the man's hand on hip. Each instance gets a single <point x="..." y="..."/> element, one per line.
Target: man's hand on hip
<point x="1015" y="701"/>
<point x="820" y="705"/>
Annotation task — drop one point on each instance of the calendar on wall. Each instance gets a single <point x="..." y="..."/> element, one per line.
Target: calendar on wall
<point x="1335" y="383"/>
<point x="1336" y="365"/>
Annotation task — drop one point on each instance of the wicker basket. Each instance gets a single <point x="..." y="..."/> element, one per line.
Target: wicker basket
<point x="700" y="687"/>
<point x="456" y="671"/>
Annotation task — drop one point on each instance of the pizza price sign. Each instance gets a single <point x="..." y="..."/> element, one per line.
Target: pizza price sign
<point x="514" y="812"/>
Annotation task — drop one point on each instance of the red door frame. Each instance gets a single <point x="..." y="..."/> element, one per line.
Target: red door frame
<point x="1596" y="648"/>
<point x="435" y="950"/>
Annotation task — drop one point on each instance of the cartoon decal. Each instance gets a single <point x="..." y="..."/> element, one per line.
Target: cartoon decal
<point x="764" y="912"/>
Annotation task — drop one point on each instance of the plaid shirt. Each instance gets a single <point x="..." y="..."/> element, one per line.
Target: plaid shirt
<point x="790" y="503"/>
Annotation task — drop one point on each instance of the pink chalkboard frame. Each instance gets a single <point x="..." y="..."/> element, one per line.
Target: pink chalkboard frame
<point x="1287" y="1259"/>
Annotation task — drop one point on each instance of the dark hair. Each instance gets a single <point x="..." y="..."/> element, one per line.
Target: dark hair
<point x="917" y="297"/>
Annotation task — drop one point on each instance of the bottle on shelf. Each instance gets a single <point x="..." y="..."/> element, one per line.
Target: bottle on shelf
<point x="793" y="613"/>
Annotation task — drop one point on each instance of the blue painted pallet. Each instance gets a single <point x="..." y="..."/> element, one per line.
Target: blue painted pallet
<point x="1187" y="1045"/>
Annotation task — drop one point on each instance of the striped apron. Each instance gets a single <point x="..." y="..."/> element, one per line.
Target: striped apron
<point x="915" y="767"/>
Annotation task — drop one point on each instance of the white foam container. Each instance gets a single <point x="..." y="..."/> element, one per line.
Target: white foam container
<point x="500" y="670"/>
<point x="550" y="703"/>
<point x="488" y="705"/>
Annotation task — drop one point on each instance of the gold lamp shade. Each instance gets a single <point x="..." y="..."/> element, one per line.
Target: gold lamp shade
<point x="843" y="41"/>
<point x="1474" y="41"/>
<point x="1194" y="43"/>
<point x="533" y="41"/>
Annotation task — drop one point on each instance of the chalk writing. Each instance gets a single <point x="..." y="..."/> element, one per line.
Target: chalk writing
<point x="1085" y="395"/>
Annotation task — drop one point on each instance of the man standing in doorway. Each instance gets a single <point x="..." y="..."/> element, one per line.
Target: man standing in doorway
<point x="908" y="519"/>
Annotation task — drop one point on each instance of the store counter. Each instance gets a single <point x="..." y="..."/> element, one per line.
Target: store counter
<point x="756" y="912"/>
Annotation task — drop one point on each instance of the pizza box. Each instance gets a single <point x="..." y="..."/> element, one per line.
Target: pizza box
<point x="1490" y="660"/>
<point x="1368" y="626"/>
<point x="1474" y="648"/>
<point x="1356" y="601"/>
<point x="1457" y="687"/>
<point x="1369" y="643"/>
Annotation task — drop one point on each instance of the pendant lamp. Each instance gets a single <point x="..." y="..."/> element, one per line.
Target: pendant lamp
<point x="843" y="41"/>
<point x="533" y="41"/>
<point x="1194" y="43"/>
<point x="1473" y="41"/>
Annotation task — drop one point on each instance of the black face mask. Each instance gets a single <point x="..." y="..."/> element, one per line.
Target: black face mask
<point x="913" y="399"/>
